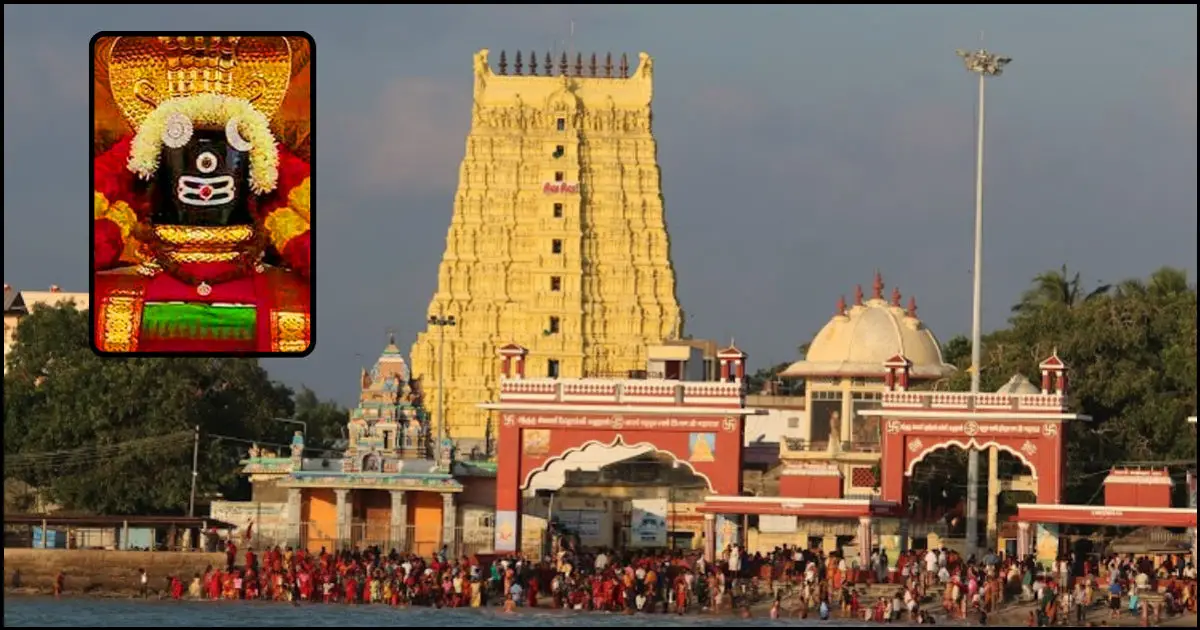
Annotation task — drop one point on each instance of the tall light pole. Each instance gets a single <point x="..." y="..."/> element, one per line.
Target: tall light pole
<point x="985" y="64"/>
<point x="442" y="323"/>
<point x="195" y="471"/>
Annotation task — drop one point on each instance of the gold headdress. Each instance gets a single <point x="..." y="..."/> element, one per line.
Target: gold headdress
<point x="164" y="85"/>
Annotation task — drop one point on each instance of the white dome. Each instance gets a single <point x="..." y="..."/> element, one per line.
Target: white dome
<point x="859" y="341"/>
<point x="1018" y="385"/>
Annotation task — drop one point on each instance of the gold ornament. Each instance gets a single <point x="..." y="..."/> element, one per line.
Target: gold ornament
<point x="204" y="237"/>
<point x="144" y="72"/>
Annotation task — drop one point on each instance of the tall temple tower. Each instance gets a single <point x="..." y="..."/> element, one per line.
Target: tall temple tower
<point x="557" y="241"/>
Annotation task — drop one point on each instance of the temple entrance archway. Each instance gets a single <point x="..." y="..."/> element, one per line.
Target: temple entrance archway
<point x="595" y="463"/>
<point x="937" y="488"/>
<point x="614" y="495"/>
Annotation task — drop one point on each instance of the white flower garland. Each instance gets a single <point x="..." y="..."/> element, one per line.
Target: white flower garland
<point x="209" y="110"/>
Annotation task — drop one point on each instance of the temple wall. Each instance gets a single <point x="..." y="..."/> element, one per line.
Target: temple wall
<point x="425" y="515"/>
<point x="103" y="571"/>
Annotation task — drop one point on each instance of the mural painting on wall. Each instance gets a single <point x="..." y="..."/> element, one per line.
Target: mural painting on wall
<point x="727" y="532"/>
<point x="1047" y="541"/>
<point x="702" y="447"/>
<point x="506" y="530"/>
<point x="537" y="442"/>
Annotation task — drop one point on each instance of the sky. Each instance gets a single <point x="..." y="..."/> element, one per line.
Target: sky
<point x="801" y="147"/>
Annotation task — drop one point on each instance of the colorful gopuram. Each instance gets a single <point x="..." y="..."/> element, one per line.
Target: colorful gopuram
<point x="557" y="241"/>
<point x="385" y="488"/>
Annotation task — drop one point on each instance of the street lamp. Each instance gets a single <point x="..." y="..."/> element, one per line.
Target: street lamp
<point x="441" y="323"/>
<point x="984" y="64"/>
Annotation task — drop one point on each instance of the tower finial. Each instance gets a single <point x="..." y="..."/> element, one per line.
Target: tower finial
<point x="503" y="63"/>
<point x="517" y="67"/>
<point x="912" y="306"/>
<point x="562" y="64"/>
<point x="578" y="64"/>
<point x="841" y="305"/>
<point x="896" y="297"/>
<point x="608" y="67"/>
<point x="548" y="64"/>
<point x="592" y="66"/>
<point x="858" y="295"/>
<point x="878" y="295"/>
<point x="624" y="66"/>
<point x="533" y="64"/>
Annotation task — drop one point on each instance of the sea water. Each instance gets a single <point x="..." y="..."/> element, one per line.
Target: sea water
<point x="45" y="611"/>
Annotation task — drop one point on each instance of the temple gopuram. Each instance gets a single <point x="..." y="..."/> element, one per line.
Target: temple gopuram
<point x="386" y="488"/>
<point x="557" y="241"/>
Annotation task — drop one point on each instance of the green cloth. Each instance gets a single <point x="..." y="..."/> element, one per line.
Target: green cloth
<point x="176" y="320"/>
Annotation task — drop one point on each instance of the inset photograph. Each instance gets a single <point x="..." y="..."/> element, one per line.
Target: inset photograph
<point x="202" y="194"/>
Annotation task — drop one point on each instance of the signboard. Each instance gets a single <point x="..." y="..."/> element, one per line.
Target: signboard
<point x="587" y="524"/>
<point x="776" y="524"/>
<point x="560" y="188"/>
<point x="972" y="428"/>
<point x="618" y="423"/>
<point x="648" y="523"/>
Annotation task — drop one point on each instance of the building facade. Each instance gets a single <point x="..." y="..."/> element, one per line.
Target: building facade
<point x="626" y="461"/>
<point x="557" y="241"/>
<point x="388" y="487"/>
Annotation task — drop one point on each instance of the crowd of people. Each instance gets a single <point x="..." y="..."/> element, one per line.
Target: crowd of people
<point x="928" y="584"/>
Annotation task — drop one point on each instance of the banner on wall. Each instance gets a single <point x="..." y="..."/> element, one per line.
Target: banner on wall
<point x="587" y="524"/>
<point x="727" y="532"/>
<point x="777" y="524"/>
<point x="648" y="523"/>
<point x="506" y="530"/>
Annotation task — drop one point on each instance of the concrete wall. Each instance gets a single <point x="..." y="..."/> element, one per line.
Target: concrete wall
<point x="103" y="570"/>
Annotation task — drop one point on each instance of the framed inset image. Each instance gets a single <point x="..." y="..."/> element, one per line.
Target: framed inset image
<point x="202" y="187"/>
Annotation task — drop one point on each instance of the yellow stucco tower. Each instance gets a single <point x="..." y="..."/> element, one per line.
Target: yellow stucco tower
<point x="557" y="241"/>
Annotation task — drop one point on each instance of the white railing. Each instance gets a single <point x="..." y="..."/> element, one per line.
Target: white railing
<point x="981" y="401"/>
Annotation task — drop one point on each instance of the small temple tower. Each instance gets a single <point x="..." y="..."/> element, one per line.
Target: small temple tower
<point x="557" y="241"/>
<point x="385" y="489"/>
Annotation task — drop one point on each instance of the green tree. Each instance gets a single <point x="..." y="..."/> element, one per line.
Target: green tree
<point x="1132" y="356"/>
<point x="114" y="436"/>
<point x="1057" y="287"/>
<point x="758" y="382"/>
<point x="325" y="420"/>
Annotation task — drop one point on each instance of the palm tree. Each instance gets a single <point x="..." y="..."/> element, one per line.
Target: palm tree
<point x="1057" y="288"/>
<point x="1163" y="283"/>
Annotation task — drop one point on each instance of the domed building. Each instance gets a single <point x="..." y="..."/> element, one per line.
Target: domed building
<point x="844" y="368"/>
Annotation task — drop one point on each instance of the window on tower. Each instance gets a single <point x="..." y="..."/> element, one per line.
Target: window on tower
<point x="558" y="176"/>
<point x="552" y="368"/>
<point x="553" y="328"/>
<point x="558" y="211"/>
<point x="555" y="283"/>
<point x="562" y="124"/>
<point x="556" y="246"/>
<point x="560" y="151"/>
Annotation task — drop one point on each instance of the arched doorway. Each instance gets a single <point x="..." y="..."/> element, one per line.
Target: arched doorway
<point x="937" y="493"/>
<point x="616" y="496"/>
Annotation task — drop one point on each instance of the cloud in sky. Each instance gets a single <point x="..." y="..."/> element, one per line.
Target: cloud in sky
<point x="801" y="148"/>
<point x="405" y="143"/>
